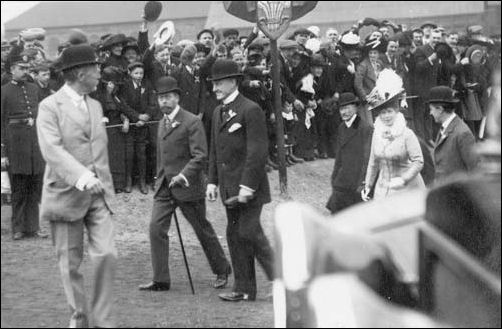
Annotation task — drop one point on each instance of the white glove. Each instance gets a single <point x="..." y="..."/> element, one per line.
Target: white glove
<point x="365" y="194"/>
<point x="211" y="192"/>
<point x="397" y="183"/>
<point x="245" y="195"/>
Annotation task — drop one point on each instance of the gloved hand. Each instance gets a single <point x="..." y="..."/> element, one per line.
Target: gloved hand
<point x="177" y="180"/>
<point x="245" y="195"/>
<point x="365" y="194"/>
<point x="211" y="192"/>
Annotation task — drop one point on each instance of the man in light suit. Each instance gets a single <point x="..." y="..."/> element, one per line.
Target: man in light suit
<point x="239" y="150"/>
<point x="78" y="186"/>
<point x="181" y="158"/>
<point x="453" y="150"/>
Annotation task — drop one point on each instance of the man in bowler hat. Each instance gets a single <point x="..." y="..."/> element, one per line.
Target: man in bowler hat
<point x="78" y="188"/>
<point x="181" y="159"/>
<point x="237" y="159"/>
<point x="454" y="146"/>
<point x="352" y="155"/>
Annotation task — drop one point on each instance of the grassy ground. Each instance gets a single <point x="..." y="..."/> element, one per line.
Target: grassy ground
<point x="32" y="293"/>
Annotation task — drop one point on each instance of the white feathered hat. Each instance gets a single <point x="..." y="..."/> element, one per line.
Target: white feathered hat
<point x="388" y="87"/>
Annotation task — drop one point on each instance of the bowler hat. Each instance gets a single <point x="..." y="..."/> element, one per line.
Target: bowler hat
<point x="347" y="98"/>
<point x="223" y="69"/>
<point x="442" y="94"/>
<point x="78" y="55"/>
<point x="112" y="74"/>
<point x="77" y="37"/>
<point x="152" y="10"/>
<point x="167" y="85"/>
<point x="116" y="39"/>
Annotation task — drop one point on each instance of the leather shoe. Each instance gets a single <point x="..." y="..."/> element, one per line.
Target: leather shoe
<point x="221" y="281"/>
<point x="234" y="296"/>
<point x="40" y="234"/>
<point x="295" y="159"/>
<point x="155" y="286"/>
<point x="18" y="236"/>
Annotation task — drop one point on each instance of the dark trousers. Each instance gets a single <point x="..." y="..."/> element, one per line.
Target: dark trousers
<point x="340" y="200"/>
<point x="195" y="212"/>
<point x="246" y="242"/>
<point x="151" y="153"/>
<point x="327" y="128"/>
<point x="26" y="193"/>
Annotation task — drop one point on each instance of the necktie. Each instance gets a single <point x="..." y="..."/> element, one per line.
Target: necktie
<point x="224" y="113"/>
<point x="168" y="122"/>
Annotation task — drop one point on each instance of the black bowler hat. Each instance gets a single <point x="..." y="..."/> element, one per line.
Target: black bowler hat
<point x="223" y="69"/>
<point x="348" y="98"/>
<point x="152" y="10"/>
<point x="167" y="85"/>
<point x="78" y="55"/>
<point x="442" y="94"/>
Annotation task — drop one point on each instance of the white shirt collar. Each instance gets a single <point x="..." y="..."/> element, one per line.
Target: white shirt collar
<point x="447" y="122"/>
<point x="230" y="98"/>
<point x="351" y="121"/>
<point x="74" y="96"/>
<point x="173" y="113"/>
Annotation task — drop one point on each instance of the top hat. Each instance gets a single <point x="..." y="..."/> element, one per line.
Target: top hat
<point x="78" y="55"/>
<point x="166" y="85"/>
<point x="442" y="94"/>
<point x="224" y="69"/>
<point x="152" y="10"/>
<point x="347" y="98"/>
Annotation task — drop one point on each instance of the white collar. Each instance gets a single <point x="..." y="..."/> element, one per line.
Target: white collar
<point x="351" y="121"/>
<point x="173" y="113"/>
<point x="230" y="98"/>
<point x="189" y="69"/>
<point x="74" y="96"/>
<point x="448" y="121"/>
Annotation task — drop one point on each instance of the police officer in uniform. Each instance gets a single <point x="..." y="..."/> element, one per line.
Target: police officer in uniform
<point x="19" y="105"/>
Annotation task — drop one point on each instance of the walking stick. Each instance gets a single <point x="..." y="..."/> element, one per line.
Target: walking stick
<point x="183" y="250"/>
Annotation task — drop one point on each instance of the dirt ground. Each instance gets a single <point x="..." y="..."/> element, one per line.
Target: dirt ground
<point x="32" y="294"/>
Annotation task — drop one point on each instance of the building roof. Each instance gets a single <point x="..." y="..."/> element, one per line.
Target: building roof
<point x="82" y="13"/>
<point x="352" y="11"/>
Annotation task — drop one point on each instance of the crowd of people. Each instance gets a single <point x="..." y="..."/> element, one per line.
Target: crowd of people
<point x="397" y="109"/>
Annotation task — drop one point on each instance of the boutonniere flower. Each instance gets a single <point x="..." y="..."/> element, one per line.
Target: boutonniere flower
<point x="231" y="114"/>
<point x="142" y="91"/>
<point x="175" y="124"/>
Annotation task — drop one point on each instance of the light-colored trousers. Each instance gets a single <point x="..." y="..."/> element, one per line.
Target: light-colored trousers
<point x="68" y="239"/>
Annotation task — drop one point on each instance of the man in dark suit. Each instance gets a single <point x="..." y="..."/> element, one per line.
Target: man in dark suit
<point x="453" y="150"/>
<point x="237" y="164"/>
<point x="426" y="76"/>
<point x="19" y="106"/>
<point x="182" y="153"/>
<point x="352" y="154"/>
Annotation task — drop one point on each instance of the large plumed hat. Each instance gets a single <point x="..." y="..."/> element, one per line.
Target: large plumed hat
<point x="350" y="40"/>
<point x="388" y="87"/>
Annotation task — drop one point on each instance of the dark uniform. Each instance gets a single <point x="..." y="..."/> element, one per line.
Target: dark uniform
<point x="19" y="105"/>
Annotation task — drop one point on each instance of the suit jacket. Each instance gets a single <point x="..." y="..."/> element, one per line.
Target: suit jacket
<point x="426" y="74"/>
<point x="72" y="144"/>
<point x="352" y="155"/>
<point x="237" y="157"/>
<point x="190" y="85"/>
<point x="141" y="100"/>
<point x="454" y="153"/>
<point x="182" y="148"/>
<point x="365" y="78"/>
